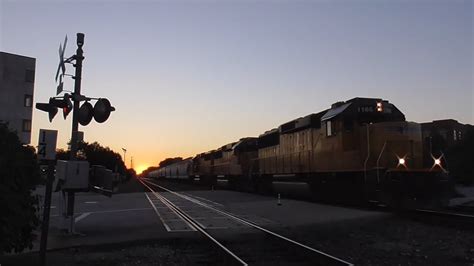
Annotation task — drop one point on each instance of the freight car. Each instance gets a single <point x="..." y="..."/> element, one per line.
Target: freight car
<point x="178" y="170"/>
<point x="231" y="162"/>
<point x="359" y="151"/>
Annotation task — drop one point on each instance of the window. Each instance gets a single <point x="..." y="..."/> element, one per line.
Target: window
<point x="26" y="125"/>
<point x="328" y="128"/>
<point x="29" y="76"/>
<point x="28" y="102"/>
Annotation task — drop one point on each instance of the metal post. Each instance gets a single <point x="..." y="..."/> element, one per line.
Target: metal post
<point x="124" y="157"/>
<point x="47" y="206"/>
<point x="75" y="124"/>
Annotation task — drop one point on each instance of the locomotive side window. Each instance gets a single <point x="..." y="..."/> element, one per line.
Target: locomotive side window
<point x="329" y="128"/>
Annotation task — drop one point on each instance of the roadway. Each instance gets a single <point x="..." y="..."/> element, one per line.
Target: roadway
<point x="138" y="216"/>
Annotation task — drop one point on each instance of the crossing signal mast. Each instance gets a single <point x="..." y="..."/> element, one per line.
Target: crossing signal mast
<point x="102" y="108"/>
<point x="70" y="102"/>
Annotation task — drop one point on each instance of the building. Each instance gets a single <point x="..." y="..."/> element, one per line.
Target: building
<point x="17" y="78"/>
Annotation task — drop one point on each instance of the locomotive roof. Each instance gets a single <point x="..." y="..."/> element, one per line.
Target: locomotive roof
<point x="349" y="107"/>
<point x="269" y="132"/>
<point x="335" y="111"/>
<point x="312" y="120"/>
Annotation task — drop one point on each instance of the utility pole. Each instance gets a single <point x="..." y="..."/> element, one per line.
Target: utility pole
<point x="75" y="123"/>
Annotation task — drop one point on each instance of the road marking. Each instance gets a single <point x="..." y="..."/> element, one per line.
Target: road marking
<point x="90" y="202"/>
<point x="82" y="216"/>
<point x="111" y="211"/>
<point x="163" y="220"/>
<point x="252" y="224"/>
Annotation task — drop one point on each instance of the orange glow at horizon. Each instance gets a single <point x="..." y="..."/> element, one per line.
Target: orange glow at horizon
<point x="140" y="168"/>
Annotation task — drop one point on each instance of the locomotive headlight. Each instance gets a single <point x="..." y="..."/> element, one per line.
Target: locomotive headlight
<point x="401" y="161"/>
<point x="437" y="163"/>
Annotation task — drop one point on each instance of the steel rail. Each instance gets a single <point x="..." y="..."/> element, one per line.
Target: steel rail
<point x="190" y="220"/>
<point x="446" y="214"/>
<point x="251" y="224"/>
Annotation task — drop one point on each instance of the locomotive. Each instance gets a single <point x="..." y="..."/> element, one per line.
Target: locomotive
<point x="358" y="151"/>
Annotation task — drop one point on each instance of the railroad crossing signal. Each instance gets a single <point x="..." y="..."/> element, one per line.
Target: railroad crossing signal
<point x="70" y="103"/>
<point x="54" y="103"/>
<point x="85" y="114"/>
<point x="61" y="67"/>
<point x="102" y="110"/>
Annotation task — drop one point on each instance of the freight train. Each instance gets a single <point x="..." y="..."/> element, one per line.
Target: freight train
<point x="358" y="151"/>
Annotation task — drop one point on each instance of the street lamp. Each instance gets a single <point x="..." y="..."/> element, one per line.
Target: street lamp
<point x="124" y="158"/>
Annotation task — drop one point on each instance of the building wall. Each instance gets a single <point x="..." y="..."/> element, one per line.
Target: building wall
<point x="17" y="76"/>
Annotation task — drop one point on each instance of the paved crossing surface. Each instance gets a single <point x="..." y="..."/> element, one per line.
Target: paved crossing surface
<point x="139" y="216"/>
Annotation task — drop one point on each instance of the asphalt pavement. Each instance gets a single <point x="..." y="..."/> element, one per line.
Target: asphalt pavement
<point x="140" y="216"/>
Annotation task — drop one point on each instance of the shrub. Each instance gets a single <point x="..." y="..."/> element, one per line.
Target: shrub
<point x="19" y="175"/>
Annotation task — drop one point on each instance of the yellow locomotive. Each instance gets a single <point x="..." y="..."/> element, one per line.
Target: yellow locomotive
<point x="361" y="150"/>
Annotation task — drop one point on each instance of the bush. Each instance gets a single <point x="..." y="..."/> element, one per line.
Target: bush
<point x="19" y="174"/>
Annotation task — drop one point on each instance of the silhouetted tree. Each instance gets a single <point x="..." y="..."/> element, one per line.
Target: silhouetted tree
<point x="62" y="154"/>
<point x="96" y="154"/>
<point x="19" y="175"/>
<point x="131" y="173"/>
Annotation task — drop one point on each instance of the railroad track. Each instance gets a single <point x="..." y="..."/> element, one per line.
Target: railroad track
<point x="444" y="214"/>
<point x="263" y="248"/>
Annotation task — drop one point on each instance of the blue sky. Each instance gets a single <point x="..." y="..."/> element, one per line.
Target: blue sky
<point x="190" y="76"/>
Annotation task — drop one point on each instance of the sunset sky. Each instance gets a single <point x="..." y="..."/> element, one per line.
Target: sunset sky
<point x="190" y="76"/>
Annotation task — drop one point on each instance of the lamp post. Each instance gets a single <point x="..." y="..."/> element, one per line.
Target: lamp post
<point x="124" y="158"/>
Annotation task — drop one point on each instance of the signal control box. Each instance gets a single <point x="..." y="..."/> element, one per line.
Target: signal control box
<point x="73" y="174"/>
